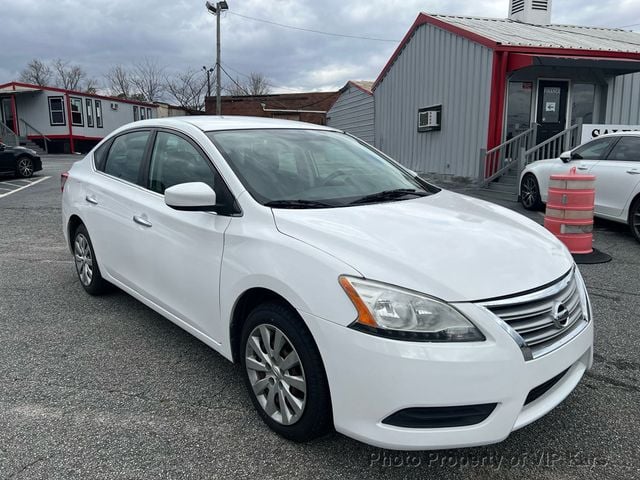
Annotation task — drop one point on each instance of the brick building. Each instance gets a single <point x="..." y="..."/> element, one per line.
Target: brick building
<point x="306" y="107"/>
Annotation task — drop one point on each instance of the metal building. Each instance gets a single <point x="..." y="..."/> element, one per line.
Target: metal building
<point x="354" y="111"/>
<point x="469" y="96"/>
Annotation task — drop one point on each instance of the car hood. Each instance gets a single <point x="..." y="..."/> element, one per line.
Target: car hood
<point x="447" y="245"/>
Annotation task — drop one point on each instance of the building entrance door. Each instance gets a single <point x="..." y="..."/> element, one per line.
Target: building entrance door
<point x="6" y="113"/>
<point x="551" y="114"/>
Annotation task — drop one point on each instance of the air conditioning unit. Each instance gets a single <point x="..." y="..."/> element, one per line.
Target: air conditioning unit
<point x="114" y="106"/>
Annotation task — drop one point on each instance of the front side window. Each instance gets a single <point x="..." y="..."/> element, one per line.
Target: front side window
<point x="303" y="167"/>
<point x="174" y="160"/>
<point x="626" y="150"/>
<point x="126" y="155"/>
<point x="98" y="114"/>
<point x="594" y="150"/>
<point x="56" y="111"/>
<point x="89" y="105"/>
<point x="76" y="111"/>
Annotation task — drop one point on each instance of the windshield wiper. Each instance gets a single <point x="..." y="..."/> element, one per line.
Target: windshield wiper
<point x="389" y="195"/>
<point x="297" y="204"/>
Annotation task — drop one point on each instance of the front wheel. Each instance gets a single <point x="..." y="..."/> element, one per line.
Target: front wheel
<point x="284" y="374"/>
<point x="634" y="219"/>
<point x="530" y="193"/>
<point x="24" y="167"/>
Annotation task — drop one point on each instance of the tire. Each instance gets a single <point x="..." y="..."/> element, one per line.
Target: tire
<point x="24" y="167"/>
<point x="530" y="193"/>
<point x="634" y="219"/>
<point x="86" y="264"/>
<point x="272" y="373"/>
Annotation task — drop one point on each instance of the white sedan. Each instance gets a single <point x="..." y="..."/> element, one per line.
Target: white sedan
<point x="615" y="161"/>
<point x="354" y="294"/>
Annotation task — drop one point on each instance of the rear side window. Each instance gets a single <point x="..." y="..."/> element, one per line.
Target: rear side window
<point x="594" y="150"/>
<point x="126" y="155"/>
<point x="100" y="155"/>
<point x="627" y="149"/>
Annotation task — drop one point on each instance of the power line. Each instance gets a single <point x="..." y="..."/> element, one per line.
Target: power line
<point x="331" y="34"/>
<point x="294" y="90"/>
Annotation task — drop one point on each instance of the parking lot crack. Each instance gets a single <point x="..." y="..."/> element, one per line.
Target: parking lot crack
<point x="612" y="382"/>
<point x="25" y="467"/>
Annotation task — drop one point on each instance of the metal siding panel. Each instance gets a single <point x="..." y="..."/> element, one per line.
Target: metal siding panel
<point x="354" y="112"/>
<point x="436" y="67"/>
<point x="623" y="100"/>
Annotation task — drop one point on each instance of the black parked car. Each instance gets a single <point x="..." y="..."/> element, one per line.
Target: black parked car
<point x="20" y="161"/>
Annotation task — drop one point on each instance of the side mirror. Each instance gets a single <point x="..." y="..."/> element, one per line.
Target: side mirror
<point x="566" y="156"/>
<point x="192" y="196"/>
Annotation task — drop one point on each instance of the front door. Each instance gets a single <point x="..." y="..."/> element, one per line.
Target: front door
<point x="6" y="113"/>
<point x="552" y="109"/>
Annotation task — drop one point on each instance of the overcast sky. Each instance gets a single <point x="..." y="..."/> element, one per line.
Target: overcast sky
<point x="180" y="34"/>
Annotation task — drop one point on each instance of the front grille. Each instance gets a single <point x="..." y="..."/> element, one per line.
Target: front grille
<point x="546" y="319"/>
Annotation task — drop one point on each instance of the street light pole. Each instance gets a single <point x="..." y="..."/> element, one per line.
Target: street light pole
<point x="208" y="71"/>
<point x="216" y="10"/>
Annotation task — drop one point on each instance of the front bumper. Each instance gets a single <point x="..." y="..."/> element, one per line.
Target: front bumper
<point x="371" y="378"/>
<point x="37" y="164"/>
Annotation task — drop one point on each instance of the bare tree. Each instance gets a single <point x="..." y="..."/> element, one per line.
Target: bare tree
<point x="36" y="72"/>
<point x="255" y="84"/>
<point x="91" y="85"/>
<point x="119" y="81"/>
<point x="69" y="77"/>
<point x="188" y="89"/>
<point x="148" y="79"/>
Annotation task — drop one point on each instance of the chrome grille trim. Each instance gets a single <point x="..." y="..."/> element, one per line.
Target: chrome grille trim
<point x="529" y="318"/>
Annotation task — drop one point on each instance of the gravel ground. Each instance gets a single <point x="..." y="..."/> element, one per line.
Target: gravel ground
<point x="106" y="388"/>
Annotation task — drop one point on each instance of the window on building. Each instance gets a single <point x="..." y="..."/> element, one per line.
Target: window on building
<point x="76" y="111"/>
<point x="626" y="150"/>
<point x="98" y="114"/>
<point x="125" y="156"/>
<point x="56" y="111"/>
<point x="148" y="113"/>
<point x="518" y="108"/>
<point x="142" y="116"/>
<point x="136" y="115"/>
<point x="582" y="102"/>
<point x="89" y="105"/>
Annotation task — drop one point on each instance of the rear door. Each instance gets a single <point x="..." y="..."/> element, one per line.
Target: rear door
<point x="182" y="250"/>
<point x="617" y="176"/>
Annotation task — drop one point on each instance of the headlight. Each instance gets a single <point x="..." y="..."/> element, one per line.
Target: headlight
<point x="584" y="298"/>
<point x="405" y="315"/>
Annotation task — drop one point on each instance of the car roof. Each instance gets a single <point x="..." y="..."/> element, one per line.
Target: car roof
<point x="208" y="123"/>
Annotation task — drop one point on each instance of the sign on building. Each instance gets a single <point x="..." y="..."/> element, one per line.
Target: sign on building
<point x="594" y="130"/>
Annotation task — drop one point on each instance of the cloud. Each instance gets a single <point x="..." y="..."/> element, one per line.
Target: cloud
<point x="181" y="34"/>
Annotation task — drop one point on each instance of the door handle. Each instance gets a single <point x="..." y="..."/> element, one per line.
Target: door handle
<point x="634" y="172"/>
<point x="91" y="199"/>
<point x="583" y="168"/>
<point x="141" y="221"/>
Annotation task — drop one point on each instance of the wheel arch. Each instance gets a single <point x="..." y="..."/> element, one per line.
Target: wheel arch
<point x="74" y="222"/>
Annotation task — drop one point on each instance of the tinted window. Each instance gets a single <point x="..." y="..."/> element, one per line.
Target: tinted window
<point x="627" y="149"/>
<point x="126" y="155"/>
<point x="175" y="160"/>
<point x="594" y="150"/>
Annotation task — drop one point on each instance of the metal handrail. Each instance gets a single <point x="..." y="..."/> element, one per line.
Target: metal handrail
<point x="7" y="132"/>
<point x="511" y="140"/>
<point x="45" y="139"/>
<point x="553" y="146"/>
<point x="500" y="159"/>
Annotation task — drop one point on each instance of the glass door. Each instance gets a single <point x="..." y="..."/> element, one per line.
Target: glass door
<point x="551" y="114"/>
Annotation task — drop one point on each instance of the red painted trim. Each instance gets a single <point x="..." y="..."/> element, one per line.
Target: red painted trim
<point x="75" y="92"/>
<point x="63" y="137"/>
<point x="497" y="103"/>
<point x="14" y="114"/>
<point x="70" y="123"/>
<point x="570" y="52"/>
<point x="518" y="61"/>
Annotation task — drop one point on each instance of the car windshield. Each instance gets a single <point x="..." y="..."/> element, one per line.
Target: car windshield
<point x="296" y="168"/>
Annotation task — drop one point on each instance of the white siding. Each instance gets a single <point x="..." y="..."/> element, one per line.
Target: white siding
<point x="436" y="67"/>
<point x="353" y="112"/>
<point x="623" y="100"/>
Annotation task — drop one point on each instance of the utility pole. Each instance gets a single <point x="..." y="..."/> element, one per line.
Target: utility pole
<point x="216" y="10"/>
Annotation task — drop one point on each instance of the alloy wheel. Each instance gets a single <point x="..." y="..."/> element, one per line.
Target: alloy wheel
<point x="25" y="167"/>
<point x="529" y="192"/>
<point x="84" y="259"/>
<point x="635" y="220"/>
<point x="276" y="374"/>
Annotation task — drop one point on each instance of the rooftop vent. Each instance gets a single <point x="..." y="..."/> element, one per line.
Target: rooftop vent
<point x="537" y="12"/>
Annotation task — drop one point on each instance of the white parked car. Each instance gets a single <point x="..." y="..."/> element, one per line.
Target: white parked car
<point x="354" y="294"/>
<point x="615" y="161"/>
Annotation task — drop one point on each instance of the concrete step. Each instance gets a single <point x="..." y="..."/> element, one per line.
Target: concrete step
<point x="503" y="187"/>
<point x="496" y="195"/>
<point x="33" y="146"/>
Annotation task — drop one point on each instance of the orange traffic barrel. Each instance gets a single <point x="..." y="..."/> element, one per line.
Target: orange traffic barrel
<point x="569" y="214"/>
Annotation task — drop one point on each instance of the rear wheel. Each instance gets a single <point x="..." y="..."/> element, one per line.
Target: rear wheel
<point x="634" y="219"/>
<point x="86" y="263"/>
<point x="284" y="374"/>
<point x="24" y="167"/>
<point x="530" y="193"/>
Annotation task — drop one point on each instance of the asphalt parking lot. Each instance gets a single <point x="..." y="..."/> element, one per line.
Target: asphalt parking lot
<point x="106" y="388"/>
